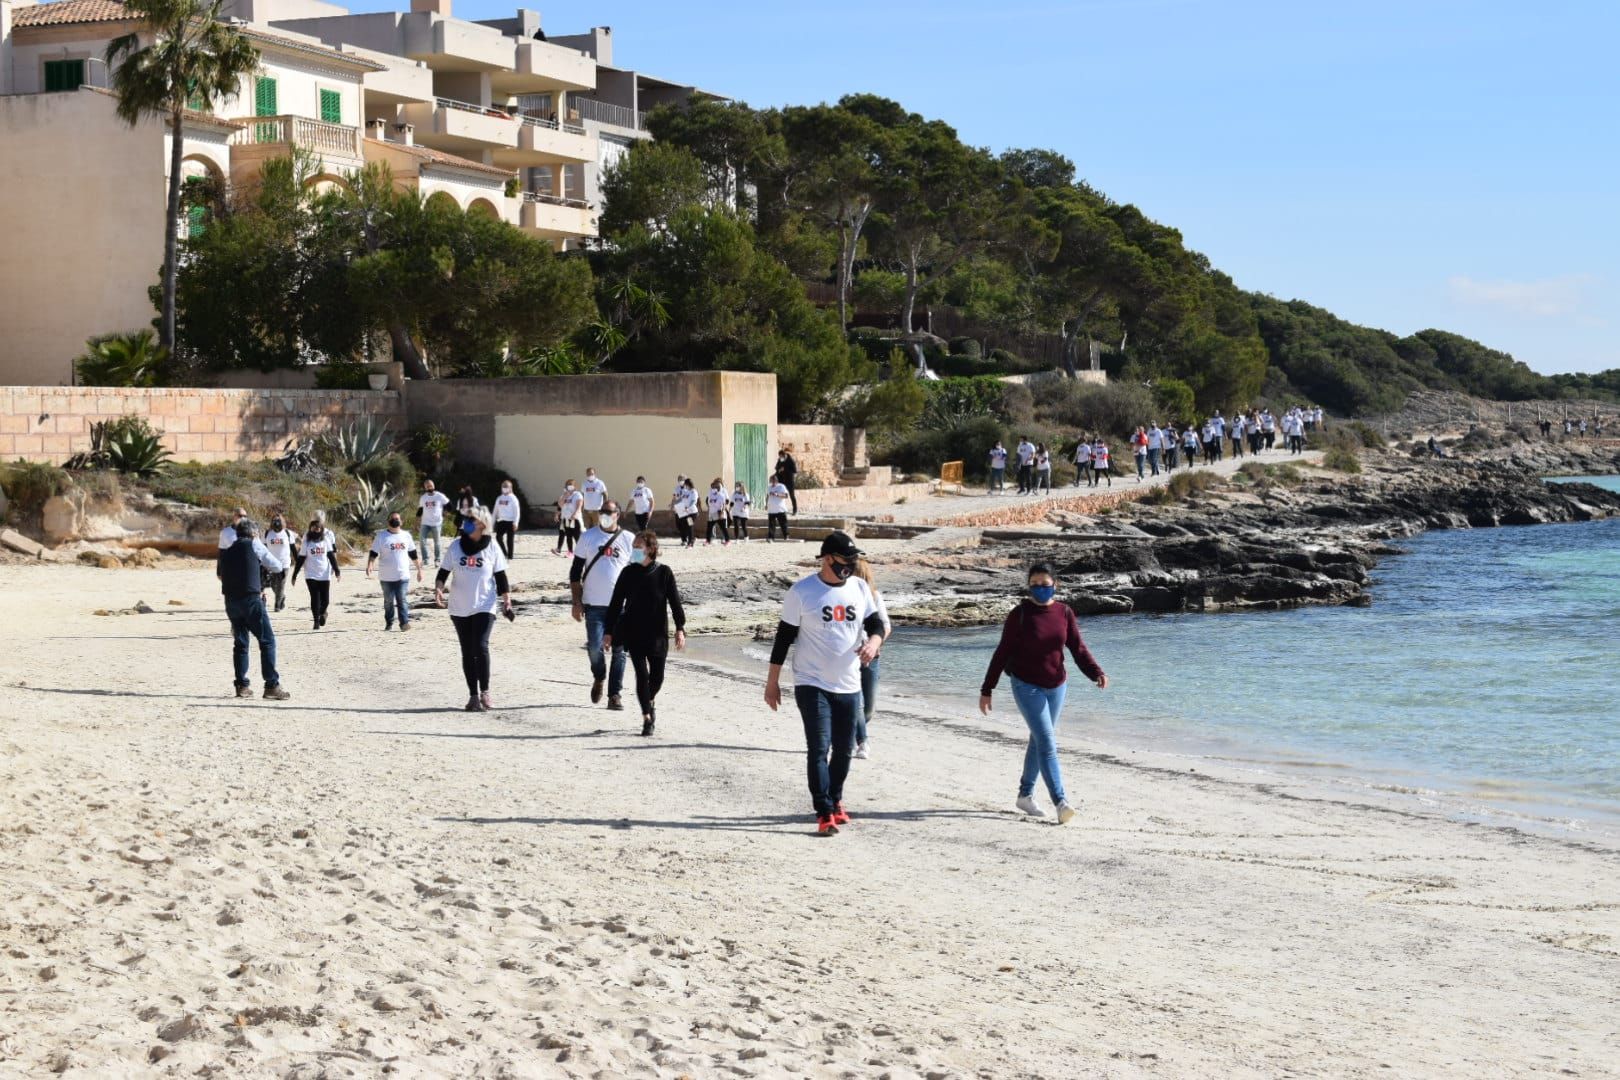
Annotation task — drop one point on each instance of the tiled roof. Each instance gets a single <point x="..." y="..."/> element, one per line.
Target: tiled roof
<point x="68" y="12"/>
<point x="439" y="157"/>
<point x="313" y="48"/>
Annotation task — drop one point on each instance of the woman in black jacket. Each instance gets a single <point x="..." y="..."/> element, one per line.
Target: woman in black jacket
<point x="637" y="620"/>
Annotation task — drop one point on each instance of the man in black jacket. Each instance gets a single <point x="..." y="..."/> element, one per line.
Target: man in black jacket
<point x="239" y="581"/>
<point x="787" y="471"/>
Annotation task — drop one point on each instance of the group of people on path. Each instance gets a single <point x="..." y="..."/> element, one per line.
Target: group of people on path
<point x="1157" y="448"/>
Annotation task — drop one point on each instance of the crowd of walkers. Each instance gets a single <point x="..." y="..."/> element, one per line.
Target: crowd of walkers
<point x="1158" y="448"/>
<point x="834" y="621"/>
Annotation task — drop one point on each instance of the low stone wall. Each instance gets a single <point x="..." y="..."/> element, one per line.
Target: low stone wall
<point x="823" y="451"/>
<point x="1034" y="511"/>
<point x="205" y="425"/>
<point x="849" y="498"/>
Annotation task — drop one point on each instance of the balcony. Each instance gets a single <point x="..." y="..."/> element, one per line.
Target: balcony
<point x="338" y="147"/>
<point x="454" y="44"/>
<point x="555" y="218"/>
<point x="605" y="112"/>
<point x="539" y="66"/>
<point x="462" y="126"/>
<point x="542" y="141"/>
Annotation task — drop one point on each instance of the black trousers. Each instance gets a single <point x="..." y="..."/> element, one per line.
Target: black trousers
<point x="739" y="528"/>
<point x="641" y="522"/>
<point x="688" y="536"/>
<point x="772" y="521"/>
<point x="648" y="665"/>
<point x="568" y="534"/>
<point x="320" y="596"/>
<point x="1026" y="478"/>
<point x="708" y="533"/>
<point x="793" y="492"/>
<point x="506" y="536"/>
<point x="473" y="631"/>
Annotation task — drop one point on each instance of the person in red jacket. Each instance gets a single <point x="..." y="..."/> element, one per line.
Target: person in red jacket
<point x="1031" y="652"/>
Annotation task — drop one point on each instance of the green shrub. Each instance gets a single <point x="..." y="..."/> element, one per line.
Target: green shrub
<point x="963" y="366"/>
<point x="257" y="486"/>
<point x="1263" y="475"/>
<point x="431" y="447"/>
<point x="1341" y="459"/>
<point x="136" y="449"/>
<point x="356" y="446"/>
<point x="1175" y="400"/>
<point x="1114" y="409"/>
<point x="367" y="513"/>
<point x="967" y="440"/>
<point x="953" y="399"/>
<point x="122" y="360"/>
<point x="28" y="484"/>
<point x="966" y="346"/>
<point x="345" y="374"/>
<point x="392" y="469"/>
<point x="1370" y="437"/>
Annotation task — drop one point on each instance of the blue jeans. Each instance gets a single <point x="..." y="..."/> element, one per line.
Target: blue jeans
<point x="1153" y="459"/>
<point x="427" y="531"/>
<point x="829" y="725"/>
<point x="248" y="618"/>
<point x="998" y="479"/>
<point x="394" y="600"/>
<point x="595" y="629"/>
<point x="869" y="685"/>
<point x="1040" y="708"/>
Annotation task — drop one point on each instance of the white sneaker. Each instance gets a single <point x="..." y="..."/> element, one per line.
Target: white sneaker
<point x="1065" y="812"/>
<point x="860" y="751"/>
<point x="1026" y="803"/>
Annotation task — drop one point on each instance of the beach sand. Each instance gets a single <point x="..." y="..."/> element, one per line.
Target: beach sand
<point x="365" y="880"/>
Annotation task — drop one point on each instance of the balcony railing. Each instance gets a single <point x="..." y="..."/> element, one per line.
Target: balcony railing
<point x="605" y="112"/>
<point x="467" y="106"/>
<point x="555" y="200"/>
<point x="302" y="132"/>
<point x="551" y="122"/>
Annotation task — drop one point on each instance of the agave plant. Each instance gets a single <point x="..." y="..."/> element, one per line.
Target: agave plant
<point x="359" y="444"/>
<point x="136" y="452"/>
<point x="368" y="511"/>
<point x="122" y="360"/>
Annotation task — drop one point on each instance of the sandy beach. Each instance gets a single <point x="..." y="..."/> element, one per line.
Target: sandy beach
<point x="365" y="880"/>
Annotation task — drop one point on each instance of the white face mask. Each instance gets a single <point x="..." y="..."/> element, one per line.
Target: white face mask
<point x="608" y="520"/>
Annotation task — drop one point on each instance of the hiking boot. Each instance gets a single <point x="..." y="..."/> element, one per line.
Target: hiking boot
<point x="647" y="723"/>
<point x="596" y="691"/>
<point x="275" y="693"/>
<point x="244" y="691"/>
<point x="615" y="704"/>
<point x="825" y="826"/>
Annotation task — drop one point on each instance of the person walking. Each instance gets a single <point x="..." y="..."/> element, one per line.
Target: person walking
<point x="227" y="534"/>
<point x="508" y="519"/>
<point x="643" y="598"/>
<point x="1102" y="464"/>
<point x="869" y="670"/>
<point x="1082" y="462"/>
<point x="466" y="503"/>
<point x="1170" y="441"/>
<point x="317" y="558"/>
<point x="596" y="493"/>
<point x="787" y="470"/>
<point x="603" y="553"/>
<point x="476" y="572"/>
<point x="1155" y="447"/>
<point x="1235" y="434"/>
<point x="998" y="468"/>
<point x="717" y="507"/>
<point x="240" y="568"/>
<point x="776" y="506"/>
<point x="430" y="517"/>
<point x="1033" y="639"/>
<point x="1189" y="442"/>
<point x="1043" y="468"/>
<point x="569" y="506"/>
<point x="641" y="503"/>
<point x="740" y="503"/>
<point x="397" y="552"/>
<point x="1026" y="465"/>
<point x="1139" y="449"/>
<point x="685" y="508"/>
<point x="280" y="542"/>
<point x="822" y="620"/>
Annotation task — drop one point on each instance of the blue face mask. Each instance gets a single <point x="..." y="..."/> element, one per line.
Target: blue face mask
<point x="638" y="555"/>
<point x="468" y="526"/>
<point x="1042" y="594"/>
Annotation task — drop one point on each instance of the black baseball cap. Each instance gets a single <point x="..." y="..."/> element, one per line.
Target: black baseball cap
<point x="840" y="544"/>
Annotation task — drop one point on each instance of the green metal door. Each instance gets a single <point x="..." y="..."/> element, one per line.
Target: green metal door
<point x="748" y="458"/>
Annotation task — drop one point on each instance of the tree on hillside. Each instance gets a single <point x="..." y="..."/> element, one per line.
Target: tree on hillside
<point x="195" y="60"/>
<point x="729" y="140"/>
<point x="648" y="185"/>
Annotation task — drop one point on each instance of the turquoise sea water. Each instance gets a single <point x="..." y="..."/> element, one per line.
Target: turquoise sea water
<point x="1488" y="667"/>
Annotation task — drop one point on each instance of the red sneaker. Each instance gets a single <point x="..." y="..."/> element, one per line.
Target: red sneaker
<point x="839" y="815"/>
<point x="826" y="826"/>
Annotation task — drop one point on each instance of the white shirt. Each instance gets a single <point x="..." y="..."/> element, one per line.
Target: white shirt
<point x="472" y="578"/>
<point x="602" y="574"/>
<point x="393" y="551"/>
<point x="829" y="619"/>
<point x="641" y="499"/>
<point x="318" y="556"/>
<point x="740" y="502"/>
<point x="717" y="502"/>
<point x="998" y="457"/>
<point x="1099" y="454"/>
<point x="279" y="542"/>
<point x="1026" y="451"/>
<point x="776" y="498"/>
<point x="1082" y="453"/>
<point x="569" y="510"/>
<point x="686" y="503"/>
<point x="1219" y="424"/>
<point x="433" y="504"/>
<point x="1155" y="438"/>
<point x="1268" y="423"/>
<point x="507" y="508"/>
<point x="595" y="492"/>
<point x="1190" y="438"/>
<point x="227" y="537"/>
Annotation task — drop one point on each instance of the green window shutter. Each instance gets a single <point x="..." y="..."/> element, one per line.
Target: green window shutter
<point x="63" y="75"/>
<point x="195" y="218"/>
<point x="264" y="97"/>
<point x="331" y="106"/>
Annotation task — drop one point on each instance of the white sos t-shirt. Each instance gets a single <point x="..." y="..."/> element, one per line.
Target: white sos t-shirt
<point x="472" y="579"/>
<point x="318" y="556"/>
<point x="776" y="499"/>
<point x="740" y="502"/>
<point x="595" y="492"/>
<point x="393" y="551"/>
<point x="433" y="504"/>
<point x="686" y="504"/>
<point x="569" y="510"/>
<point x="641" y="499"/>
<point x="717" y="502"/>
<point x="506" y="508"/>
<point x="602" y="574"/>
<point x="279" y="543"/>
<point x="829" y="619"/>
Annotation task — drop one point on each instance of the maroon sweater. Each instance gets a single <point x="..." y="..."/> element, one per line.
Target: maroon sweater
<point x="1032" y="642"/>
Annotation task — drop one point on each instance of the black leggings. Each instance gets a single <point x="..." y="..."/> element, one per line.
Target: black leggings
<point x="641" y="522"/>
<point x="725" y="533"/>
<point x="506" y="536"/>
<point x="569" y="533"/>
<point x="739" y="527"/>
<point x="320" y="595"/>
<point x="684" y="524"/>
<point x="473" y="631"/>
<point x="772" y="521"/>
<point x="649" y="668"/>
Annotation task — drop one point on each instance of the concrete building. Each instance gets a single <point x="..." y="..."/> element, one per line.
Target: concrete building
<point x="460" y="110"/>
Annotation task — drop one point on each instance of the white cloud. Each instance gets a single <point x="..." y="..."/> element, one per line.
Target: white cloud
<point x="1550" y="298"/>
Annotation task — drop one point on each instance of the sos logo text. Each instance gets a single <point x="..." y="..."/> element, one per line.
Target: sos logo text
<point x="839" y="613"/>
<point x="472" y="562"/>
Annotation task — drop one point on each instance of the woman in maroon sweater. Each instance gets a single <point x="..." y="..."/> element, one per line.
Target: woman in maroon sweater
<point x="1031" y="652"/>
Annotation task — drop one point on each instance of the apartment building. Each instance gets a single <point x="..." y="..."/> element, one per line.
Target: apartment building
<point x="490" y="116"/>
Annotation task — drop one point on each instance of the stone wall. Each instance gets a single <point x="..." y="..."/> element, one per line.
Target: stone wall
<point x="205" y="425"/>
<point x="1034" y="511"/>
<point x="824" y="451"/>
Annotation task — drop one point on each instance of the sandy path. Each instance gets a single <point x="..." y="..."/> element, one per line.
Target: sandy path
<point x="363" y="880"/>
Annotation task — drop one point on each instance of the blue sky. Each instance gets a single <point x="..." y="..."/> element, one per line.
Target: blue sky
<point x="1403" y="164"/>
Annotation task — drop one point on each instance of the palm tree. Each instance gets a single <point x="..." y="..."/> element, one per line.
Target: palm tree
<point x="122" y="360"/>
<point x="196" y="58"/>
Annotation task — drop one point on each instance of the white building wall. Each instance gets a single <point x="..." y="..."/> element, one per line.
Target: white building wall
<point x="298" y="90"/>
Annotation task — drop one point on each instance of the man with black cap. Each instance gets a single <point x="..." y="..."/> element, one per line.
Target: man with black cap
<point x="822" y="620"/>
<point x="239" y="581"/>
